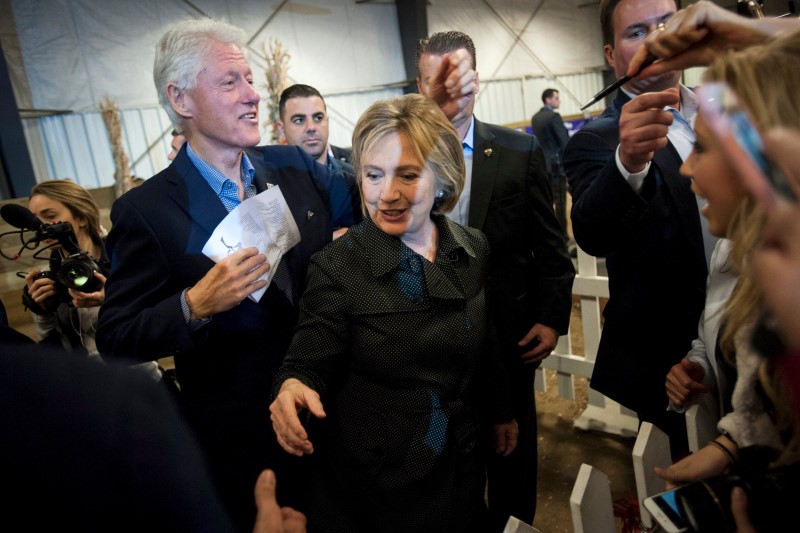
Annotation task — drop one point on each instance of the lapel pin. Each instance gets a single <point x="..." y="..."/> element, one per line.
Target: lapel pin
<point x="488" y="152"/>
<point x="270" y="185"/>
<point x="309" y="215"/>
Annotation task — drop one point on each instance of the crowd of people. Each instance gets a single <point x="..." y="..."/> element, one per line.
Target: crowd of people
<point x="381" y="370"/>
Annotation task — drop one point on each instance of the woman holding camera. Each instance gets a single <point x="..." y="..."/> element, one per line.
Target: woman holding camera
<point x="62" y="315"/>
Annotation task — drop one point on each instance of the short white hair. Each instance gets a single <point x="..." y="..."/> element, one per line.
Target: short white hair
<point x="181" y="53"/>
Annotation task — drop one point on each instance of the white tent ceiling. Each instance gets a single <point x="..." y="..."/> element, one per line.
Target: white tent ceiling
<point x="77" y="52"/>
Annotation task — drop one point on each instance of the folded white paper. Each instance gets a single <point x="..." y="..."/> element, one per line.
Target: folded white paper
<point x="263" y="221"/>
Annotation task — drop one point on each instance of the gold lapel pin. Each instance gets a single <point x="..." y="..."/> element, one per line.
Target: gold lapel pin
<point x="488" y="152"/>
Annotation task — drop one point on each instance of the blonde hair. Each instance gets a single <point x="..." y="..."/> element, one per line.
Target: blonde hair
<point x="79" y="201"/>
<point x="764" y="78"/>
<point x="434" y="139"/>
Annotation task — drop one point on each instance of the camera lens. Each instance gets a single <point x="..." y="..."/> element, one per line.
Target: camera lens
<point x="76" y="277"/>
<point x="77" y="272"/>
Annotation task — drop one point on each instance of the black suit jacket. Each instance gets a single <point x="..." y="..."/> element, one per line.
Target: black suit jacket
<point x="654" y="254"/>
<point x="342" y="154"/>
<point x="511" y="202"/>
<point x="549" y="128"/>
<point x="400" y="351"/>
<point x="225" y="368"/>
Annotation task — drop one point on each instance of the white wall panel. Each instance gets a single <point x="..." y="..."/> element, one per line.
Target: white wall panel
<point x="500" y="101"/>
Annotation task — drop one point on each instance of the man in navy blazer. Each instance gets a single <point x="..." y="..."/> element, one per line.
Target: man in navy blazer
<point x="164" y="297"/>
<point x="507" y="195"/>
<point x="632" y="206"/>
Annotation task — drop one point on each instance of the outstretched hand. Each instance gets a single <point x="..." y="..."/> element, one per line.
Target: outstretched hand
<point x="696" y="35"/>
<point x="292" y="398"/>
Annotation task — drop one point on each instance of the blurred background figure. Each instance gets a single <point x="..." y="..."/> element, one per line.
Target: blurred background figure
<point x="175" y="145"/>
<point x="68" y="429"/>
<point x="549" y="128"/>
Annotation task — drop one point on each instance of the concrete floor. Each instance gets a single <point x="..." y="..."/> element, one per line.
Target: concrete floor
<point x="562" y="450"/>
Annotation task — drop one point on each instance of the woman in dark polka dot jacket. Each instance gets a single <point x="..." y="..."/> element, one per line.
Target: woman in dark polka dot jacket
<point x="394" y="341"/>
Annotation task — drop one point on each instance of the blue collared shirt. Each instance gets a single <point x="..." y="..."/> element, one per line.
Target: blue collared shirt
<point x="460" y="212"/>
<point x="225" y="189"/>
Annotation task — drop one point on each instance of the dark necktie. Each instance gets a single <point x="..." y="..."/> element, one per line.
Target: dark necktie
<point x="283" y="280"/>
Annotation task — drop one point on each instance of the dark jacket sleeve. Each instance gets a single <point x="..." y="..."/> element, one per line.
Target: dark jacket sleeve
<point x="342" y="192"/>
<point x="321" y="338"/>
<point x="141" y="316"/>
<point x="605" y="208"/>
<point x="551" y="281"/>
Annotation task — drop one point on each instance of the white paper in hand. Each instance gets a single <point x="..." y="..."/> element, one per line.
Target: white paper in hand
<point x="263" y="221"/>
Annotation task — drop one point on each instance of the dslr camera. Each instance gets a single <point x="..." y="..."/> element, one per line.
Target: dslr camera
<point x="76" y="271"/>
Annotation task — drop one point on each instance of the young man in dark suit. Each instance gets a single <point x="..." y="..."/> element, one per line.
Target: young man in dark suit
<point x="632" y="206"/>
<point x="507" y="196"/>
<point x="164" y="297"/>
<point x="304" y="123"/>
<point x="548" y="127"/>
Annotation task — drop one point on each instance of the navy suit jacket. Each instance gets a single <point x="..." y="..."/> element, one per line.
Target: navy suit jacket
<point x="654" y="254"/>
<point x="549" y="129"/>
<point x="511" y="201"/>
<point x="224" y="368"/>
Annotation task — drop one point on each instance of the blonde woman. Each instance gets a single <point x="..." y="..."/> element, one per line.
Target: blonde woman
<point x="765" y="79"/>
<point x="393" y="351"/>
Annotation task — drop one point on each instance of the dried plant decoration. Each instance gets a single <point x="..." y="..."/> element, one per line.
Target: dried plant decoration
<point x="277" y="67"/>
<point x="123" y="181"/>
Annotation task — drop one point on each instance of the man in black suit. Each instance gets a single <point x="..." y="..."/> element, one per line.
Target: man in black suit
<point x="507" y="196"/>
<point x="549" y="129"/>
<point x="164" y="297"/>
<point x="631" y="206"/>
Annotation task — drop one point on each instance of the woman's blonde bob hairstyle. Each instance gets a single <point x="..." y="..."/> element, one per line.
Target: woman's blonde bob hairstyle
<point x="434" y="139"/>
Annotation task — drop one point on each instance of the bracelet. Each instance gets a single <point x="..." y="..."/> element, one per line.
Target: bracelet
<point x="726" y="451"/>
<point x="192" y="314"/>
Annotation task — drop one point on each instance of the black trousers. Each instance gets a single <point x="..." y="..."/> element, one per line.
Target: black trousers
<point x="512" y="479"/>
<point x="558" y="184"/>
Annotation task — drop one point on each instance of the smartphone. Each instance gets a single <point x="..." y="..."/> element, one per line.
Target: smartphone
<point x="665" y="510"/>
<point x="740" y="140"/>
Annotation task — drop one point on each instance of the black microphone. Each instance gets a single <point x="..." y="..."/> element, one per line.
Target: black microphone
<point x="20" y="217"/>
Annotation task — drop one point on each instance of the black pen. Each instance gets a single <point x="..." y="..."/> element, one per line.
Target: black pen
<point x="622" y="80"/>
